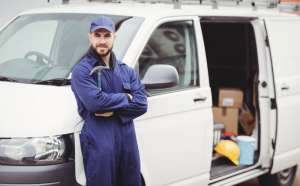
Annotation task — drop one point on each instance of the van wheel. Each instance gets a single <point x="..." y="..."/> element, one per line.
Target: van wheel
<point x="282" y="178"/>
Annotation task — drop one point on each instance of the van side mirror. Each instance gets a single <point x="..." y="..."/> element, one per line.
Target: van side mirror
<point x="160" y="76"/>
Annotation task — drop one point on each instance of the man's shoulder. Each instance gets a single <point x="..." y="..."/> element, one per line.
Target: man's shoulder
<point x="124" y="66"/>
<point x="82" y="66"/>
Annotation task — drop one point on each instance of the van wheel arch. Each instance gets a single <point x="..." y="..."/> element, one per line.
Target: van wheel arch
<point x="283" y="178"/>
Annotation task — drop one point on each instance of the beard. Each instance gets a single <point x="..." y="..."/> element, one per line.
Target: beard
<point x="101" y="54"/>
<point x="106" y="53"/>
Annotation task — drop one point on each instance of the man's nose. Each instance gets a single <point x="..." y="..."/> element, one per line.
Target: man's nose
<point x="102" y="40"/>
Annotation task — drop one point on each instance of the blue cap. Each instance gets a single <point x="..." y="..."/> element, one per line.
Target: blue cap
<point x="103" y="22"/>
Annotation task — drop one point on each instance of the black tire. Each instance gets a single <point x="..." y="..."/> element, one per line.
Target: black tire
<point x="282" y="178"/>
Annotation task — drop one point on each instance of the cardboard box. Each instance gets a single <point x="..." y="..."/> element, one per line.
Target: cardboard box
<point x="232" y="98"/>
<point x="227" y="116"/>
<point x="247" y="121"/>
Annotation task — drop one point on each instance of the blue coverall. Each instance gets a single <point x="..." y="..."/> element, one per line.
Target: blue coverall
<point x="109" y="146"/>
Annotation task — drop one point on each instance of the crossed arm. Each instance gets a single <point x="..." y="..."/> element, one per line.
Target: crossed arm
<point x="106" y="104"/>
<point x="138" y="104"/>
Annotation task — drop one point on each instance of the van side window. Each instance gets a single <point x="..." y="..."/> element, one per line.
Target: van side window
<point x="172" y="44"/>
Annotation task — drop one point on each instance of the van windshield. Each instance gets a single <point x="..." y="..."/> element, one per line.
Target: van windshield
<point x="45" y="47"/>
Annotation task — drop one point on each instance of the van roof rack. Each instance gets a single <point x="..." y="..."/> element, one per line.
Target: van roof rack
<point x="290" y="6"/>
<point x="283" y="5"/>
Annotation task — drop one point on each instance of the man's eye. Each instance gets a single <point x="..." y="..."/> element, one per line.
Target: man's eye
<point x="97" y="35"/>
<point x="107" y="35"/>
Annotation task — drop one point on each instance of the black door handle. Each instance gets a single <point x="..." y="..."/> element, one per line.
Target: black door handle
<point x="285" y="87"/>
<point x="200" y="99"/>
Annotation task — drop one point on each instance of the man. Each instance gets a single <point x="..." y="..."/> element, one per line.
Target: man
<point x="108" y="101"/>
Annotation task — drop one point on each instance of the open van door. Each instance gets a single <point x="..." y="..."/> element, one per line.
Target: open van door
<point x="284" y="40"/>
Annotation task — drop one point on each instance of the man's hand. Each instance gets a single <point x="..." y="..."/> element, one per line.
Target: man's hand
<point x="105" y="114"/>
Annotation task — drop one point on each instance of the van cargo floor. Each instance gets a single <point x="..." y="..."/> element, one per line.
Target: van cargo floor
<point x="222" y="166"/>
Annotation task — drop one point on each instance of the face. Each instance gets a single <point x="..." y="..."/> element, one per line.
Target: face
<point x="102" y="41"/>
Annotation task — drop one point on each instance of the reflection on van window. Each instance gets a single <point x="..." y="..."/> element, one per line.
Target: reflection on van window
<point x="172" y="44"/>
<point x="42" y="47"/>
<point x="40" y="43"/>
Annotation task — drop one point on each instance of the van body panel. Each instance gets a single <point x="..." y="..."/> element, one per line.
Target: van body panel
<point x="235" y="180"/>
<point x="29" y="110"/>
<point x="263" y="96"/>
<point x="180" y="152"/>
<point x="284" y="45"/>
<point x="285" y="160"/>
<point x="171" y="156"/>
<point x="195" y="181"/>
<point x="79" y="166"/>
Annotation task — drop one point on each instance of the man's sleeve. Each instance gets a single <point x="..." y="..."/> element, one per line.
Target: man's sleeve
<point x="92" y="97"/>
<point x="138" y="105"/>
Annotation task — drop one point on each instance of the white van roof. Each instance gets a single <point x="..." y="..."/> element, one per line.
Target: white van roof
<point x="160" y="10"/>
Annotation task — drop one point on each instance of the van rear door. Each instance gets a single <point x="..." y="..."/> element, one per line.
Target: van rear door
<point x="284" y="40"/>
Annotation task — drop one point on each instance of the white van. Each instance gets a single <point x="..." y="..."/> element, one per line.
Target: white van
<point x="253" y="51"/>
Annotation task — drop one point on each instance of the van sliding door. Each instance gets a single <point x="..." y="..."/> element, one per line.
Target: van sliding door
<point x="284" y="41"/>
